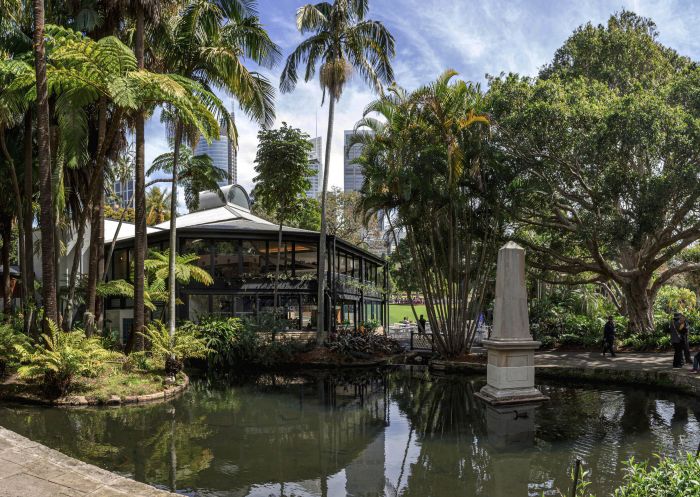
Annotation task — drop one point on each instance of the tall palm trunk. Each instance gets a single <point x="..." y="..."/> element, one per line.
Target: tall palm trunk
<point x="46" y="221"/>
<point x="20" y="214"/>
<point x="322" y="334"/>
<point x="6" y="228"/>
<point x="140" y="238"/>
<point x="172" y="254"/>
<point x="28" y="254"/>
<point x="277" y="267"/>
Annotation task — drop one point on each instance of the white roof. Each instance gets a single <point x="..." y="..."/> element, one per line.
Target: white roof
<point x="127" y="230"/>
<point x="228" y="212"/>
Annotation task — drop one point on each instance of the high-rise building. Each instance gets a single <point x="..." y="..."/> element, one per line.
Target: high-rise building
<point x="223" y="154"/>
<point x="123" y="191"/>
<point x="352" y="173"/>
<point x="315" y="163"/>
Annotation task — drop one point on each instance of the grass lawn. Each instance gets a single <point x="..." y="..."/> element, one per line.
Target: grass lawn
<point x="398" y="311"/>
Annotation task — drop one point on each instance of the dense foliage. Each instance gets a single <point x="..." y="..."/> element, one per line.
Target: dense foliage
<point x="59" y="358"/>
<point x="452" y="222"/>
<point x="234" y="343"/>
<point x="603" y="147"/>
<point x="669" y="478"/>
<point x="171" y="351"/>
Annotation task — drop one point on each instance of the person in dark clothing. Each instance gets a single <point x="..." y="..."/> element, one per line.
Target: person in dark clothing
<point x="421" y="324"/>
<point x="685" y="343"/>
<point x="696" y="364"/>
<point x="677" y="338"/>
<point x="609" y="337"/>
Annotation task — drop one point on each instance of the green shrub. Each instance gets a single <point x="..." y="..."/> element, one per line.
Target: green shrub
<point x="350" y="343"/>
<point x="236" y="343"/>
<point x="9" y="337"/>
<point x="669" y="478"/>
<point x="220" y="336"/>
<point x="62" y="357"/>
<point x="186" y="343"/>
<point x="672" y="299"/>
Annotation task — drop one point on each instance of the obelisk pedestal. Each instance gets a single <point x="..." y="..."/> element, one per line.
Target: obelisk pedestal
<point x="510" y="372"/>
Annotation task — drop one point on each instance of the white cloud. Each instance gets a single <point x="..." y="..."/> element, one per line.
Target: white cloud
<point x="473" y="37"/>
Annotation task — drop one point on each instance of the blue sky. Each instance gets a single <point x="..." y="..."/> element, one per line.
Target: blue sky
<point x="473" y="37"/>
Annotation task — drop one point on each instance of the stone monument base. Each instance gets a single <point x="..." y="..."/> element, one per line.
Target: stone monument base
<point x="510" y="372"/>
<point x="510" y="396"/>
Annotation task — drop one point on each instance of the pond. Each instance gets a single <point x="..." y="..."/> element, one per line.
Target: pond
<point x="371" y="433"/>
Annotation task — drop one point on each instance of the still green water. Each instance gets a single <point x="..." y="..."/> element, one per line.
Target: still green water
<point x="390" y="433"/>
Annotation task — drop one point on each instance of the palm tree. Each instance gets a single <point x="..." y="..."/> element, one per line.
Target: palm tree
<point x="46" y="223"/>
<point x="158" y="204"/>
<point x="208" y="40"/>
<point x="341" y="41"/>
<point x="197" y="173"/>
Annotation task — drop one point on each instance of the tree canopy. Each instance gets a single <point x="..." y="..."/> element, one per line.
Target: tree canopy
<point x="603" y="149"/>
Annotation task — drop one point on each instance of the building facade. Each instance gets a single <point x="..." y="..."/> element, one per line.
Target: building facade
<point x="124" y="191"/>
<point x="316" y="163"/>
<point x="240" y="251"/>
<point x="222" y="153"/>
<point x="352" y="173"/>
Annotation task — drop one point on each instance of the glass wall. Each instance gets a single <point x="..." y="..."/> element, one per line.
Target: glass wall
<point x="197" y="307"/>
<point x="120" y="264"/>
<point x="223" y="306"/>
<point x="305" y="259"/>
<point x="285" y="257"/>
<point x="254" y="255"/>
<point x="227" y="261"/>
<point x="309" y="312"/>
<point x="201" y="248"/>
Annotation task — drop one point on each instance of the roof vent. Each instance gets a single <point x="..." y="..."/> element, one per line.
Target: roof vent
<point x="234" y="194"/>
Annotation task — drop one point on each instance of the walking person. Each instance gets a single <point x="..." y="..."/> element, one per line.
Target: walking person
<point x="609" y="337"/>
<point x="677" y="339"/>
<point x="685" y="339"/>
<point x="696" y="364"/>
<point x="421" y="324"/>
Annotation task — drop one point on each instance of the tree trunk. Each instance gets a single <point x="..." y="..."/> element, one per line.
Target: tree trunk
<point x="277" y="267"/>
<point x="46" y="221"/>
<point x="639" y="306"/>
<point x="90" y="314"/>
<point x="99" y="301"/>
<point x="19" y="211"/>
<point x="28" y="254"/>
<point x="73" y="276"/>
<point x="6" y="228"/>
<point x="321" y="304"/>
<point x="172" y="253"/>
<point x="140" y="239"/>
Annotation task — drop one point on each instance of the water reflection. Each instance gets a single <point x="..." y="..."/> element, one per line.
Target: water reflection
<point x="401" y="433"/>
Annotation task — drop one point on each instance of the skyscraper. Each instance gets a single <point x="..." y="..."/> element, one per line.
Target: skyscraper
<point x="352" y="173"/>
<point x="123" y="191"/>
<point x="223" y="154"/>
<point x="315" y="163"/>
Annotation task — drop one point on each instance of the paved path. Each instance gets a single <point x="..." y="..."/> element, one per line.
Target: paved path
<point x="29" y="469"/>
<point x="623" y="360"/>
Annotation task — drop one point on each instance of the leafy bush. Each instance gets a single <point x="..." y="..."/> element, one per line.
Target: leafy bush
<point x="672" y="299"/>
<point x="62" y="357"/>
<point x="669" y="478"/>
<point x="220" y="336"/>
<point x="186" y="343"/>
<point x="9" y="337"/>
<point x="235" y="343"/>
<point x="349" y="342"/>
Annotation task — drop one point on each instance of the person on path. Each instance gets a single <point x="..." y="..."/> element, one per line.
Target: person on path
<point x="609" y="337"/>
<point x="421" y="324"/>
<point x="677" y="338"/>
<point x="696" y="364"/>
<point x="685" y="341"/>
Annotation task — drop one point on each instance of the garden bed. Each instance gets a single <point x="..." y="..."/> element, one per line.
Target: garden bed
<point x="112" y="386"/>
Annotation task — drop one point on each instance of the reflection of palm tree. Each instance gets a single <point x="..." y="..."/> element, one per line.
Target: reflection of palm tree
<point x="157" y="205"/>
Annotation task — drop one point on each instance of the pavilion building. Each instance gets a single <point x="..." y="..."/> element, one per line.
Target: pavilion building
<point x="240" y="251"/>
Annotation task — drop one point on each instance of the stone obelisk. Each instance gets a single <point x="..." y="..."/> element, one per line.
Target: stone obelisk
<point x="510" y="372"/>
